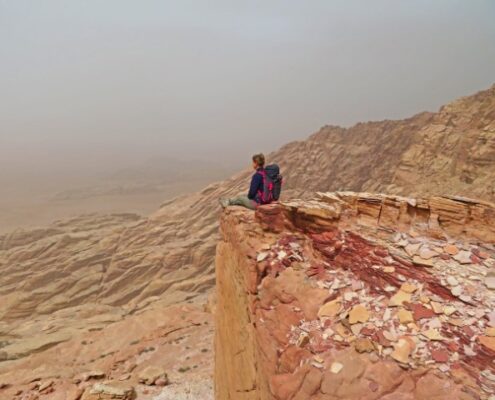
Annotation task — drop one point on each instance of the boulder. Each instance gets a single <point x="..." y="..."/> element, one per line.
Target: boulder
<point x="112" y="390"/>
<point x="150" y="376"/>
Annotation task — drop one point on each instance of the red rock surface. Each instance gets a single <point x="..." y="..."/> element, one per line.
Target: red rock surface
<point x="353" y="296"/>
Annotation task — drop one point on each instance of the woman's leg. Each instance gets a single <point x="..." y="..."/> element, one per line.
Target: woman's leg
<point x="242" y="201"/>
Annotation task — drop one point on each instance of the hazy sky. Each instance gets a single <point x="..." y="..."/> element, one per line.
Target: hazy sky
<point x="91" y="83"/>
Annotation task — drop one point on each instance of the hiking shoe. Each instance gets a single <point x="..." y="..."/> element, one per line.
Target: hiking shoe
<point x="224" y="202"/>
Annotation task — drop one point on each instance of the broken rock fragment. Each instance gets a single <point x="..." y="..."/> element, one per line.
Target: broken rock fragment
<point x="364" y="346"/>
<point x="449" y="310"/>
<point x="262" y="256"/>
<point x="451" y="249"/>
<point x="151" y="374"/>
<point x="302" y="340"/>
<point x="399" y="298"/>
<point x="452" y="281"/>
<point x="468" y="351"/>
<point x="110" y="391"/>
<point x="331" y="309"/>
<point x="336" y="367"/>
<point x="490" y="282"/>
<point x="412" y="249"/>
<point x="491" y="319"/>
<point x="92" y="375"/>
<point x="488" y="342"/>
<point x="405" y="316"/>
<point x="424" y="263"/>
<point x="433" y="334"/>
<point x="426" y="253"/>
<point x="421" y="312"/>
<point x="439" y="355"/>
<point x="456" y="290"/>
<point x="359" y="313"/>
<point x="408" y="288"/>
<point x="463" y="257"/>
<point x="402" y="351"/>
<point x="436" y="307"/>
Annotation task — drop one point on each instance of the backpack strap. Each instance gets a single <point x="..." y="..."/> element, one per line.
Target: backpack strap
<point x="261" y="192"/>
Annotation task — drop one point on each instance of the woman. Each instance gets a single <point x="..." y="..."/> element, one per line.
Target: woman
<point x="255" y="195"/>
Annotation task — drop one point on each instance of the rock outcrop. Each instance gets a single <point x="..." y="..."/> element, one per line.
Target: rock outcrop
<point x="357" y="296"/>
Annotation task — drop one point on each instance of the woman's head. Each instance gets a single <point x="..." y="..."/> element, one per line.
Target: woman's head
<point x="258" y="161"/>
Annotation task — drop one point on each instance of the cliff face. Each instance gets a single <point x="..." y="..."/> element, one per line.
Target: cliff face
<point x="357" y="296"/>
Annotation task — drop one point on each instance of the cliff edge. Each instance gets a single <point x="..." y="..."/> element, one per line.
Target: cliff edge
<point x="357" y="296"/>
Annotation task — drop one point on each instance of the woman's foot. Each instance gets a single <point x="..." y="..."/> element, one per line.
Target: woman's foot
<point x="224" y="202"/>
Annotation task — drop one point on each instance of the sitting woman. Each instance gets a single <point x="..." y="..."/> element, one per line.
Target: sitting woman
<point x="256" y="190"/>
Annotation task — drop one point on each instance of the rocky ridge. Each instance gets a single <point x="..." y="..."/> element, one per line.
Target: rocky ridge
<point x="450" y="152"/>
<point x="355" y="295"/>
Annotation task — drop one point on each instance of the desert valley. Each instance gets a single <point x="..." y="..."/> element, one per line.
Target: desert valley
<point x="373" y="278"/>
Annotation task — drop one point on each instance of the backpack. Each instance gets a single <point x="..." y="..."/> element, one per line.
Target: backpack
<point x="272" y="184"/>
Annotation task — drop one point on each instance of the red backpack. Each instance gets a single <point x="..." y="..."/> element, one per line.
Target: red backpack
<point x="272" y="184"/>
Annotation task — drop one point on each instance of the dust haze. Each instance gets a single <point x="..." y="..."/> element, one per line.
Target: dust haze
<point x="117" y="105"/>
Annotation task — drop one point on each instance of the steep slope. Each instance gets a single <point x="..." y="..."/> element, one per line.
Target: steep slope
<point x="83" y="274"/>
<point x="449" y="152"/>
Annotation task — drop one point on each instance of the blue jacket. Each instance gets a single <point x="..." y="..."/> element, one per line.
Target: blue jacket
<point x="256" y="187"/>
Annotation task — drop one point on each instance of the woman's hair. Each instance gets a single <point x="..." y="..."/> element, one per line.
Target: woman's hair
<point x="259" y="159"/>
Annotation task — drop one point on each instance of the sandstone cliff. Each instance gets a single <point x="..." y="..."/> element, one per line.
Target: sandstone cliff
<point x="357" y="296"/>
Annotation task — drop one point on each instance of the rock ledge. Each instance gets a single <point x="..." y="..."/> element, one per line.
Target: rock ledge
<point x="356" y="295"/>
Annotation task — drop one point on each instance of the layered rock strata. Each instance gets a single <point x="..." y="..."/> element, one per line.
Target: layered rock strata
<point x="357" y="296"/>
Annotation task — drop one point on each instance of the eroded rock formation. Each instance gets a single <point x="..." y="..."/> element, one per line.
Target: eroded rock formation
<point x="102" y="267"/>
<point x="357" y="296"/>
<point x="83" y="275"/>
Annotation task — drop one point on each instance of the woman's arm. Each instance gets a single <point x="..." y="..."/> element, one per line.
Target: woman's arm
<point x="256" y="181"/>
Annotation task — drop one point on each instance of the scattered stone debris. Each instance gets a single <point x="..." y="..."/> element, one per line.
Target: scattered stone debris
<point x="426" y="304"/>
<point x="417" y="325"/>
